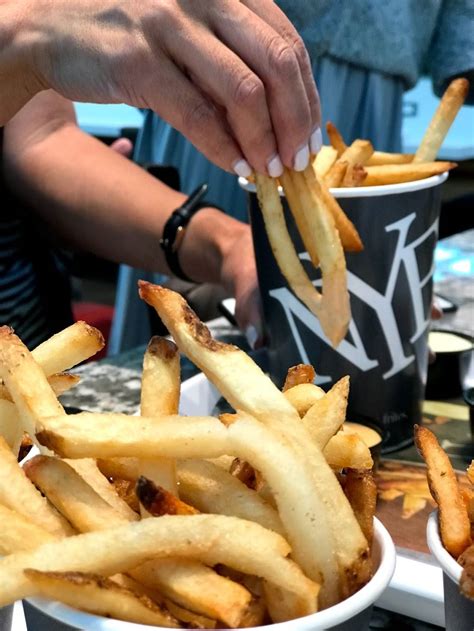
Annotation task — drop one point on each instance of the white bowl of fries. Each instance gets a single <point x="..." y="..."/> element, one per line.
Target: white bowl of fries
<point x="262" y="516"/>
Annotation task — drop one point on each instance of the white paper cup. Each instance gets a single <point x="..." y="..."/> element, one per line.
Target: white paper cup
<point x="353" y="614"/>
<point x="458" y="610"/>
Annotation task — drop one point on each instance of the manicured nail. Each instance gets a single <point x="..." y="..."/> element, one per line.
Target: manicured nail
<point x="251" y="334"/>
<point x="316" y="140"/>
<point x="242" y="168"/>
<point x="275" y="166"/>
<point x="301" y="158"/>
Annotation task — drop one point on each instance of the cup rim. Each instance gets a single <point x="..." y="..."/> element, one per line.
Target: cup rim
<point x="327" y="618"/>
<point x="465" y="336"/>
<point x="370" y="191"/>
<point x="449" y="565"/>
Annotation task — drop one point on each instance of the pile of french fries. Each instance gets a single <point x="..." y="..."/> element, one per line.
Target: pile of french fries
<point x="323" y="226"/>
<point x="455" y="505"/>
<point x="260" y="516"/>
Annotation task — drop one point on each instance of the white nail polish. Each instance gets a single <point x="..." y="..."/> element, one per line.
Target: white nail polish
<point x="301" y="158"/>
<point x="242" y="168"/>
<point x="316" y="140"/>
<point x="275" y="166"/>
<point x="251" y="334"/>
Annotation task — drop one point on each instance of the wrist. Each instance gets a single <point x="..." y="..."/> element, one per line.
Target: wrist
<point x="208" y="241"/>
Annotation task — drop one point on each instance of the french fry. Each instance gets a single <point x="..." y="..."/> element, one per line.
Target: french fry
<point x="454" y="523"/>
<point x="449" y="106"/>
<point x="100" y="596"/>
<point x="379" y="158"/>
<point x="350" y="239"/>
<point x="334" y="309"/>
<point x="354" y="156"/>
<point x="335" y="175"/>
<point x="466" y="584"/>
<point x="160" y="395"/>
<point x="60" y="382"/>
<point x="246" y="388"/>
<point x="88" y="470"/>
<point x="348" y="450"/>
<point x="327" y="414"/>
<point x="26" y="382"/>
<point x="282" y="246"/>
<point x="398" y="173"/>
<point x="358" y="152"/>
<point x="18" y="494"/>
<point x="211" y="539"/>
<point x="10" y="426"/>
<point x="197" y="588"/>
<point x="470" y="472"/>
<point x="208" y="487"/>
<point x="300" y="214"/>
<point x="64" y="350"/>
<point x="361" y="491"/>
<point x="355" y="175"/>
<point x="158" y="501"/>
<point x="110" y="435"/>
<point x="335" y="138"/>
<point x="68" y="348"/>
<point x="119" y="468"/>
<point x="302" y="373"/>
<point x="324" y="160"/>
<point x="19" y="533"/>
<point x="303" y="396"/>
<point x="70" y="494"/>
<point x="125" y="489"/>
<point x="191" y="619"/>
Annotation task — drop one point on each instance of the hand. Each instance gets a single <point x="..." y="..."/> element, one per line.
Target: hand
<point x="239" y="276"/>
<point x="233" y="76"/>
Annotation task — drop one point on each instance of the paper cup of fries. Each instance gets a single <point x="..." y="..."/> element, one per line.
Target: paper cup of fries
<point x="390" y="285"/>
<point x="352" y="614"/>
<point x="345" y="268"/>
<point x="458" y="609"/>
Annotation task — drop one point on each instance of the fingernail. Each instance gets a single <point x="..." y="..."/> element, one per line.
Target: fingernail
<point x="251" y="334"/>
<point x="316" y="140"/>
<point x="275" y="166"/>
<point x="302" y="158"/>
<point x="242" y="168"/>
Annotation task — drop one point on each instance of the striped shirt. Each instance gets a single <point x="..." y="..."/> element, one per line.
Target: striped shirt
<point x="34" y="285"/>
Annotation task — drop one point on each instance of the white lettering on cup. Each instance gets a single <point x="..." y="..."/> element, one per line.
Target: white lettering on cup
<point x="381" y="303"/>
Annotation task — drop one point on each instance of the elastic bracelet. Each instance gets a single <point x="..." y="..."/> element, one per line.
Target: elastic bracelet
<point x="175" y="229"/>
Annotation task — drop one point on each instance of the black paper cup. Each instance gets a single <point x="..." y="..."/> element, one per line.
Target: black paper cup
<point x="385" y="352"/>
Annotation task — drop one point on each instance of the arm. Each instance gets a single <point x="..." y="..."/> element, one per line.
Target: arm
<point x="238" y="78"/>
<point x="97" y="200"/>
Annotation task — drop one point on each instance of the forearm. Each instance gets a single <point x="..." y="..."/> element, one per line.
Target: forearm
<point x="100" y="202"/>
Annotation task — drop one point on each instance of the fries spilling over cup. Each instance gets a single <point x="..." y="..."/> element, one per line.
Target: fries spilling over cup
<point x="149" y="519"/>
<point x="450" y="530"/>
<point x="344" y="255"/>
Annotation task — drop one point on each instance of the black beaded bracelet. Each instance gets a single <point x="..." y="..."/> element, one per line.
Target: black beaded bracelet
<point x="175" y="229"/>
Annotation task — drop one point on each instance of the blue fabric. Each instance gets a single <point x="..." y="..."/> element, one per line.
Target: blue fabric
<point x="396" y="37"/>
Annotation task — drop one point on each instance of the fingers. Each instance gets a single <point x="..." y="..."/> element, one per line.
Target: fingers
<point x="223" y="76"/>
<point x="274" y="16"/>
<point x="193" y="114"/>
<point x="122" y="146"/>
<point x="275" y="65"/>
